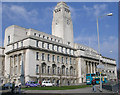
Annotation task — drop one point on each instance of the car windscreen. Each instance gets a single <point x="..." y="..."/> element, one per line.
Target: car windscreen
<point x="88" y="75"/>
<point x="92" y="75"/>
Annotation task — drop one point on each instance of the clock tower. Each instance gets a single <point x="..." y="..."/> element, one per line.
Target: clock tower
<point x="62" y="23"/>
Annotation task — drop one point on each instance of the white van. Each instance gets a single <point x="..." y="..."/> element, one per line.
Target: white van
<point x="46" y="83"/>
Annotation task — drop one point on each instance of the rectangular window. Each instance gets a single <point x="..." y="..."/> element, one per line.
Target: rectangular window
<point x="37" y="43"/>
<point x="66" y="60"/>
<point x="48" y="57"/>
<point x="13" y="46"/>
<point x="22" y="44"/>
<point x="58" y="59"/>
<point x="34" y="34"/>
<point x="69" y="51"/>
<point x="37" y="55"/>
<point x="37" y="69"/>
<point x="43" y="56"/>
<point x="52" y="47"/>
<point x="48" y="46"/>
<point x="62" y="60"/>
<point x="58" y="48"/>
<point x="61" y="49"/>
<point x="66" y="50"/>
<point x="8" y="39"/>
<point x="43" y="36"/>
<point x="17" y="45"/>
<point x="70" y="60"/>
<point x="53" y="58"/>
<point x="43" y="44"/>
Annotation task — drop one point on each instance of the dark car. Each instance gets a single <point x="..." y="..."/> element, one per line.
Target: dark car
<point x="31" y="84"/>
<point x="6" y="86"/>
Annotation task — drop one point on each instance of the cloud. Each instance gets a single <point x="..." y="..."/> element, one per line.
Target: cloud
<point x="74" y="12"/>
<point x="88" y="40"/>
<point x="96" y="9"/>
<point x="18" y="13"/>
<point x="107" y="26"/>
<point x="110" y="44"/>
<point x="107" y="44"/>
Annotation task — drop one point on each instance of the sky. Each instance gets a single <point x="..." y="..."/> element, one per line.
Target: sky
<point x="38" y="15"/>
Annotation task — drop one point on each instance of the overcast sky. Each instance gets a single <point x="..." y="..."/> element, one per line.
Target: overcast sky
<point x="39" y="16"/>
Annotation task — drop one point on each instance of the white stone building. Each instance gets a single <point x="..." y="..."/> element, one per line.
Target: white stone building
<point x="2" y="62"/>
<point x="34" y="55"/>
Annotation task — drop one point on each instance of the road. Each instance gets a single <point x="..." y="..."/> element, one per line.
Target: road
<point x="82" y="91"/>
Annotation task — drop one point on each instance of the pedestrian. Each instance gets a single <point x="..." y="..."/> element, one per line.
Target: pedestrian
<point x="40" y="83"/>
<point x="19" y="88"/>
<point x="93" y="83"/>
<point x="13" y="87"/>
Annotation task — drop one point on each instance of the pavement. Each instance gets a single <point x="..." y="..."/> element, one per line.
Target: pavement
<point x="82" y="91"/>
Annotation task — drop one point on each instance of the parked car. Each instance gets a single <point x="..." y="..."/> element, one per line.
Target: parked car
<point x="7" y="85"/>
<point x="46" y="83"/>
<point x="31" y="84"/>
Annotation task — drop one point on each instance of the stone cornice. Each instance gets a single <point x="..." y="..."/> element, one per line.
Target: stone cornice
<point x="40" y="49"/>
<point x="95" y="59"/>
<point x="43" y="40"/>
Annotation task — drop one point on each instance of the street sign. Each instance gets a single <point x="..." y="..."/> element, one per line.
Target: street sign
<point x="100" y="66"/>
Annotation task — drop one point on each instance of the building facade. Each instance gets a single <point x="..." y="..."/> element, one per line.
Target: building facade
<point x="2" y="62"/>
<point x="33" y="55"/>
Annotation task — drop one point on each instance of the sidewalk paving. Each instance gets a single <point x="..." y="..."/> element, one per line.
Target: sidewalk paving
<point x="86" y="91"/>
<point x="81" y="90"/>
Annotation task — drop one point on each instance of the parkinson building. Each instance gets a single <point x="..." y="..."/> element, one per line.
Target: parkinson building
<point x="31" y="55"/>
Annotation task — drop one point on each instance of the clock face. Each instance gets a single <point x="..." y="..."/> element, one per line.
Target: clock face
<point x="68" y="22"/>
<point x="56" y="22"/>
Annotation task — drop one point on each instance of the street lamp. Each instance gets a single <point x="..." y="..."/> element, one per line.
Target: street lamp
<point x="110" y="14"/>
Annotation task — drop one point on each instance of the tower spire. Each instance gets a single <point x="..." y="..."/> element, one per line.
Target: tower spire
<point x="62" y="23"/>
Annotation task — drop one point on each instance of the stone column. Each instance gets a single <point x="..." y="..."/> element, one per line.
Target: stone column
<point x="88" y="67"/>
<point x="91" y="67"/>
<point x="10" y="66"/>
<point x="13" y="66"/>
<point x="17" y="65"/>
<point x="94" y="67"/>
<point x="22" y="69"/>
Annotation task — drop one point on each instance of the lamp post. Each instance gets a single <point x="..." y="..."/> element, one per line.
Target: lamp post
<point x="110" y="14"/>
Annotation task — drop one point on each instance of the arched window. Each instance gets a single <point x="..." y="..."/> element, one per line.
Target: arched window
<point x="71" y="70"/>
<point x="43" y="68"/>
<point x="54" y="69"/>
<point x="63" y="69"/>
<point x="66" y="71"/>
<point x="48" y="69"/>
<point x="58" y="70"/>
